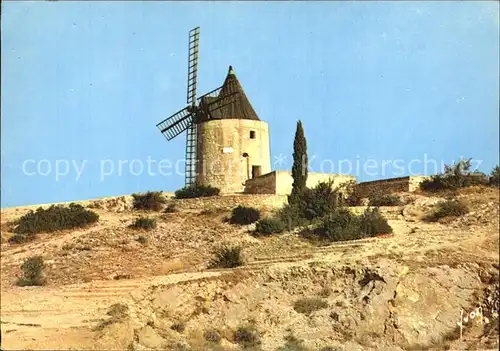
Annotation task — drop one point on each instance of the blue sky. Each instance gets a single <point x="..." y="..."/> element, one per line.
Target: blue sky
<point x="86" y="83"/>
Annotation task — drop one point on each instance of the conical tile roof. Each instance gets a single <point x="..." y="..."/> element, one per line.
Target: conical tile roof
<point x="240" y="108"/>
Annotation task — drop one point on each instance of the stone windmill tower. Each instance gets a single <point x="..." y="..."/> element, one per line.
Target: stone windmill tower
<point x="226" y="142"/>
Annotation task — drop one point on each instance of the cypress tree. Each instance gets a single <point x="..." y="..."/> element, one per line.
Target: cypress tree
<point x="299" y="168"/>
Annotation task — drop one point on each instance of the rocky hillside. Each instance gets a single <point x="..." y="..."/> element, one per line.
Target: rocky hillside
<point x="112" y="287"/>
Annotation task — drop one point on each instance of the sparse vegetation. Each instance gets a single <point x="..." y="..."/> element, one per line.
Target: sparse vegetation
<point x="455" y="176"/>
<point x="244" y="215"/>
<point x="247" y="337"/>
<point x="196" y="190"/>
<point x="171" y="208"/>
<point x="117" y="312"/>
<point x="227" y="257"/>
<point x="385" y="200"/>
<point x="339" y="226"/>
<point x="149" y="201"/>
<point x="144" y="223"/>
<point x="353" y="195"/>
<point x="212" y="336"/>
<point x="54" y="218"/>
<point x="495" y="177"/>
<point x="308" y="305"/>
<point x="448" y="208"/>
<point x="21" y="238"/>
<point x="178" y="327"/>
<point x="271" y="225"/>
<point x="32" y="269"/>
<point x="342" y="225"/>
<point x="311" y="204"/>
<point x="319" y="201"/>
<point x="372" y="223"/>
<point x="141" y="239"/>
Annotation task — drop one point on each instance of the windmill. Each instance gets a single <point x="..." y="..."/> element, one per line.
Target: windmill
<point x="207" y="107"/>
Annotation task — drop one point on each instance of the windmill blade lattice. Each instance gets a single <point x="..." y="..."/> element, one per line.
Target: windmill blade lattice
<point x="176" y="124"/>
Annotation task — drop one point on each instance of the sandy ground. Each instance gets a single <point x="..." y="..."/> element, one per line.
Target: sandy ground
<point x="91" y="269"/>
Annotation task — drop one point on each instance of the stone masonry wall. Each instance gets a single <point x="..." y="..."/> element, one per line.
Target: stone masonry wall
<point x="265" y="184"/>
<point x="261" y="201"/>
<point x="391" y="185"/>
<point x="221" y="146"/>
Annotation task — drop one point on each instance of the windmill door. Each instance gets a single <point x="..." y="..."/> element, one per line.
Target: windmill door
<point x="255" y="171"/>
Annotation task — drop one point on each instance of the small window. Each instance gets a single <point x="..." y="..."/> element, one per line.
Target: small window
<point x="252" y="134"/>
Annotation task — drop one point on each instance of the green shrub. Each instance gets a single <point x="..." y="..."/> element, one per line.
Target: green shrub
<point x="21" y="238"/>
<point x="247" y="337"/>
<point x="455" y="176"/>
<point x="308" y="305"/>
<point x="32" y="269"/>
<point x="212" y="336"/>
<point x="196" y="190"/>
<point x="149" y="201"/>
<point x="244" y="215"/>
<point x="270" y="225"/>
<point x="171" y="208"/>
<point x="144" y="223"/>
<point x="319" y="201"/>
<point x="339" y="226"/>
<point x="56" y="217"/>
<point x="495" y="177"/>
<point x="178" y="327"/>
<point x="292" y="216"/>
<point x="372" y="222"/>
<point x="227" y="257"/>
<point x="448" y="208"/>
<point x="385" y="200"/>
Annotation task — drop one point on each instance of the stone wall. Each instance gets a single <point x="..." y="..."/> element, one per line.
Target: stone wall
<point x="261" y="201"/>
<point x="391" y="185"/>
<point x="226" y="152"/>
<point x="265" y="184"/>
<point x="280" y="182"/>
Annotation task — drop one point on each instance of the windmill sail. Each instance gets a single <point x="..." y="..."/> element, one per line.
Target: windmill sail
<point x="176" y="124"/>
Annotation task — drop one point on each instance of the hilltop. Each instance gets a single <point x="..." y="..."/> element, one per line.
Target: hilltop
<point x="108" y="289"/>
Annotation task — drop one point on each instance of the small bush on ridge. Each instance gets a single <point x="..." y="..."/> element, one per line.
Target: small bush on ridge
<point x="244" y="215"/>
<point x="247" y="337"/>
<point x="385" y="200"/>
<point x="448" y="208"/>
<point x="495" y="177"/>
<point x="212" y="336"/>
<point x="308" y="305"/>
<point x="32" y="269"/>
<point x="196" y="190"/>
<point x="227" y="257"/>
<point x="339" y="226"/>
<point x="56" y="217"/>
<point x="270" y="226"/>
<point x="455" y="176"/>
<point x="343" y="225"/>
<point x="144" y="223"/>
<point x="372" y="222"/>
<point x="21" y="238"/>
<point x="319" y="201"/>
<point x="149" y="201"/>
<point x="171" y="208"/>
